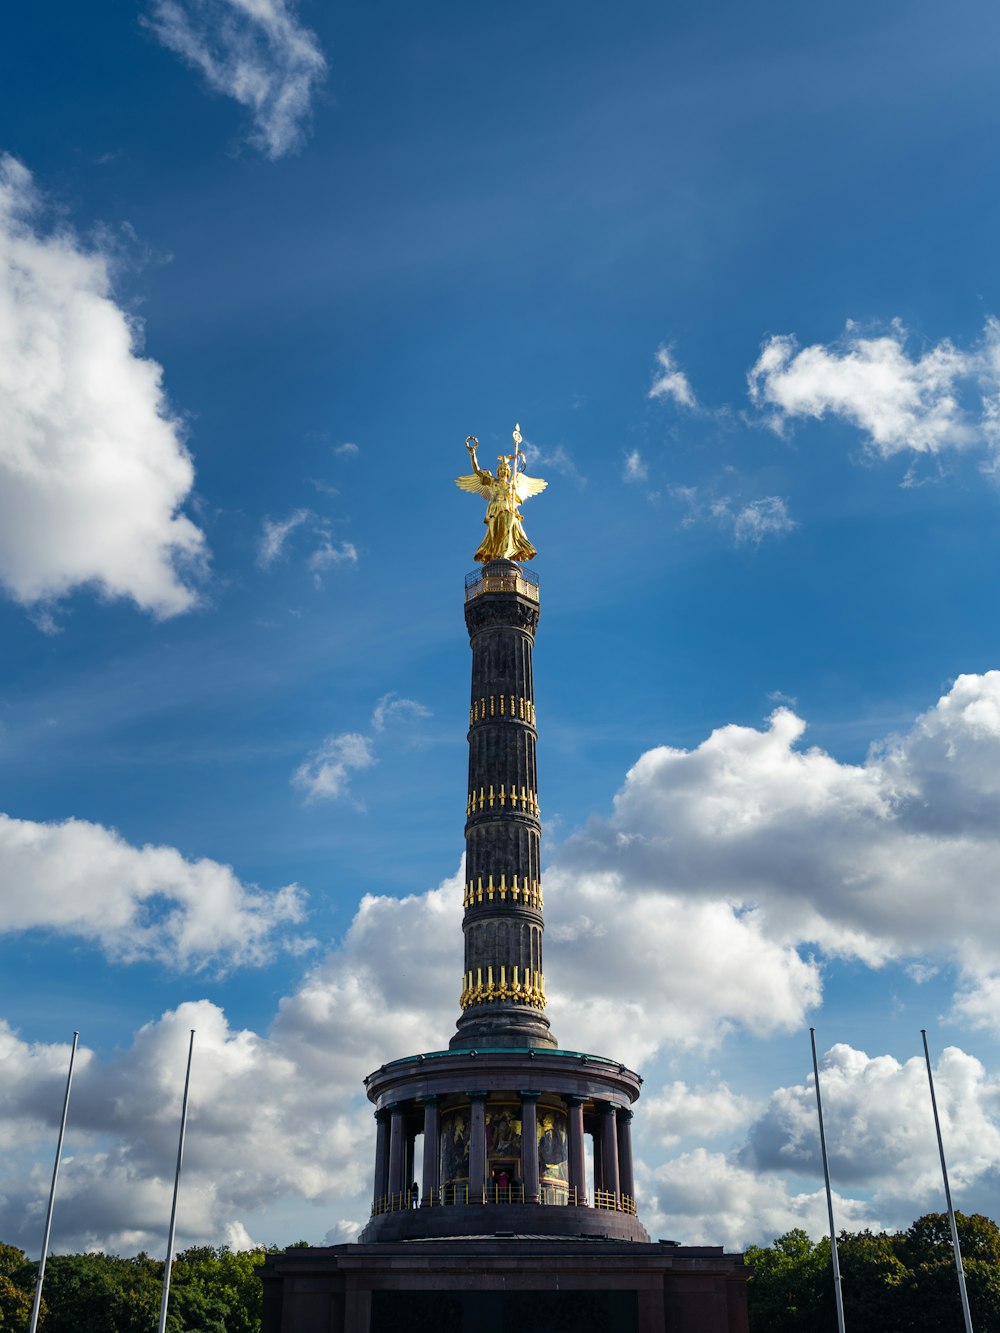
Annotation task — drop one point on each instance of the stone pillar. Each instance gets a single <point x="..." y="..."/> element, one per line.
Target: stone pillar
<point x="609" y="1148"/>
<point x="432" y="1149"/>
<point x="397" y="1148"/>
<point x="529" y="1145"/>
<point x="577" y="1149"/>
<point x="625" y="1152"/>
<point x="381" y="1154"/>
<point x="477" y="1146"/>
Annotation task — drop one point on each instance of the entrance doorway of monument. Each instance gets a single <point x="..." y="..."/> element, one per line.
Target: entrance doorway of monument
<point x="504" y="1312"/>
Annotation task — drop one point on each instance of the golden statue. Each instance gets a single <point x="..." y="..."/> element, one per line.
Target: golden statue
<point x="505" y="539"/>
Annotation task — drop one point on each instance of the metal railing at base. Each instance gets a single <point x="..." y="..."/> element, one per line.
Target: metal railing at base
<point x="549" y="1196"/>
<point x="525" y="583"/>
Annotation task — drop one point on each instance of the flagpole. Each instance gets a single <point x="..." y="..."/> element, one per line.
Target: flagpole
<point x="177" y="1180"/>
<point x="829" y="1193"/>
<point x="37" y="1304"/>
<point x="947" y="1193"/>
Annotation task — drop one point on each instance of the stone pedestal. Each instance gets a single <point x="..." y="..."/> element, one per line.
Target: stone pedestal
<point x="506" y="1284"/>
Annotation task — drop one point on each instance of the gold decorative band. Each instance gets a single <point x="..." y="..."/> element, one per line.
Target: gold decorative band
<point x="502" y="705"/>
<point x="529" y="990"/>
<point x="527" y="893"/>
<point x="488" y="798"/>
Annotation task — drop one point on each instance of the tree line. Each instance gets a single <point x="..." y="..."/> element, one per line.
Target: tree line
<point x="900" y="1282"/>
<point x="893" y="1282"/>
<point x="211" y="1291"/>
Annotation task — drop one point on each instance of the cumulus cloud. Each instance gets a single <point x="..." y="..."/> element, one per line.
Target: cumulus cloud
<point x="275" y="533"/>
<point x="707" y="1198"/>
<point x="724" y="972"/>
<point x="254" y="51"/>
<point x="93" y="468"/>
<point x="670" y="382"/>
<point x="259" y="1129"/>
<point x="677" y="1112"/>
<point x="325" y="775"/>
<point x="945" y="397"/>
<point x="880" y="1128"/>
<point x="80" y="879"/>
<point x="274" y="1116"/>
<point x="893" y="858"/>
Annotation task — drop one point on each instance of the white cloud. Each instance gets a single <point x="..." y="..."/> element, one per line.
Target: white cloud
<point x="254" y="51"/>
<point x="677" y="1112"/>
<point x="669" y="382"/>
<point x="347" y="450"/>
<point x="724" y="972"/>
<point x="635" y="469"/>
<point x="276" y="1116"/>
<point x="77" y="878"/>
<point x="93" y="468"/>
<point x="767" y="517"/>
<point x="707" y="1198"/>
<point x="748" y="523"/>
<point x="391" y="708"/>
<point x="894" y="858"/>
<point x="275" y="533"/>
<point x="325" y="775"/>
<point x="330" y="553"/>
<point x="943" y="398"/>
<point x="880" y="1128"/>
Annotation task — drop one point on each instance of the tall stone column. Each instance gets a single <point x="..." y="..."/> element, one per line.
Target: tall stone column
<point x="625" y="1152"/>
<point x="577" y="1149"/>
<point x="397" y="1148"/>
<point x="432" y="1148"/>
<point x="609" y="1148"/>
<point x="381" y="1154"/>
<point x="477" y="1146"/>
<point x="503" y="997"/>
<point x="529" y="1145"/>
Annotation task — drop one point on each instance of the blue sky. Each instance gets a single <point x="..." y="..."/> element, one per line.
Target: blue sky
<point x="263" y="268"/>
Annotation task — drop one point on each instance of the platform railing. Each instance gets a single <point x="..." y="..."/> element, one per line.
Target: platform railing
<point x="548" y="1196"/>
<point x="479" y="582"/>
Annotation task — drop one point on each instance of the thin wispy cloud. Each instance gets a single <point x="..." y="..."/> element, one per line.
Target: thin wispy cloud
<point x="325" y="775"/>
<point x="254" y="51"/>
<point x="766" y="517"/>
<point x="391" y="708"/>
<point x="670" y="382"/>
<point x="748" y="523"/>
<point x="635" y="469"/>
<point x="557" y="459"/>
<point x="271" y="543"/>
<point x="347" y="450"/>
<point x="329" y="553"/>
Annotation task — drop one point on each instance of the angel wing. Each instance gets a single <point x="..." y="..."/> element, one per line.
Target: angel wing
<point x="470" y="482"/>
<point x="526" y="487"/>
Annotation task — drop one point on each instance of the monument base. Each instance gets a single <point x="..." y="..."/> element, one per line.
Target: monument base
<point x="506" y="1284"/>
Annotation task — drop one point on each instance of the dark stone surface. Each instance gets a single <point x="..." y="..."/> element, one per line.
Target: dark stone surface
<point x="672" y="1288"/>
<point x="502" y="836"/>
<point x="471" y="1219"/>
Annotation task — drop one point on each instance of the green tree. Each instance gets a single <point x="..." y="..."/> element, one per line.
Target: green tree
<point x="784" y="1294"/>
